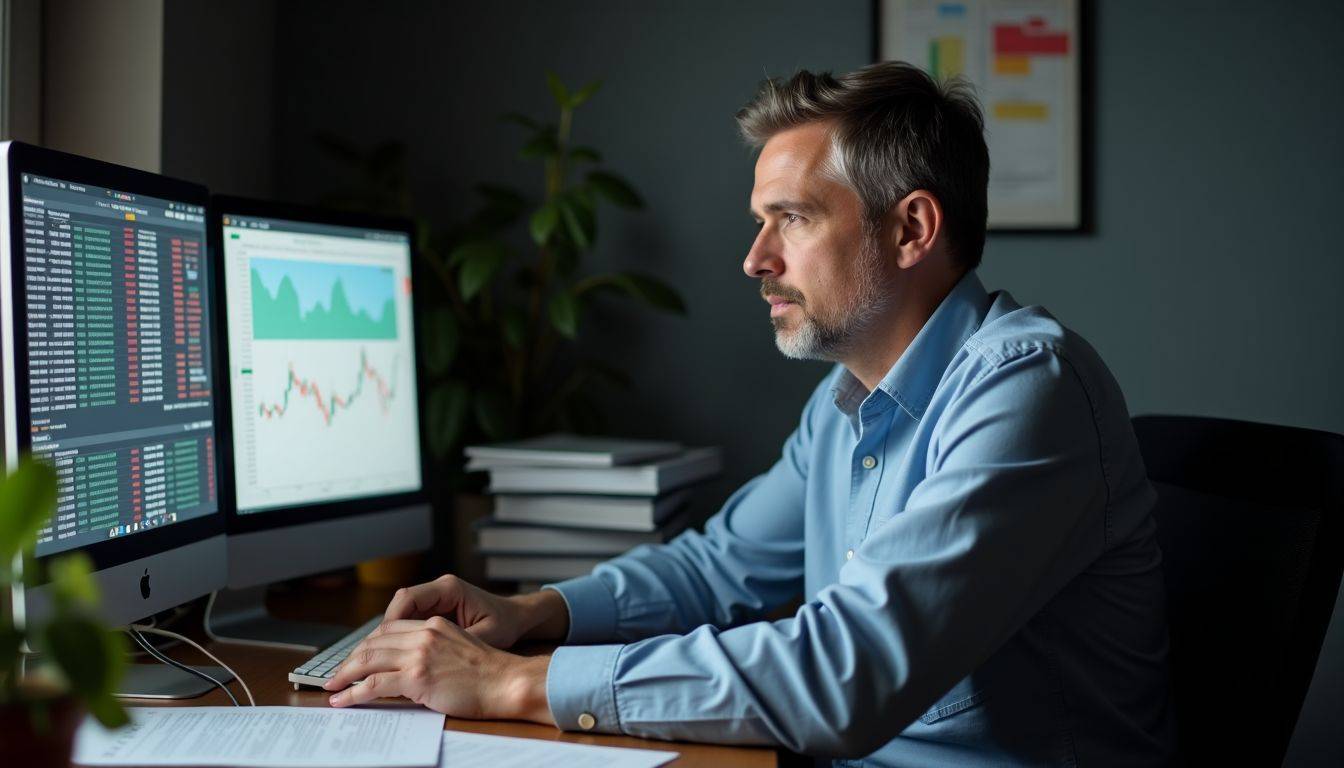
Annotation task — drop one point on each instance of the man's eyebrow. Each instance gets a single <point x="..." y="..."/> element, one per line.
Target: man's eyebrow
<point x="792" y="206"/>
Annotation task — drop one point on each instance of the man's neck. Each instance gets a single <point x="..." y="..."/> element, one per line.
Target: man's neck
<point x="912" y="306"/>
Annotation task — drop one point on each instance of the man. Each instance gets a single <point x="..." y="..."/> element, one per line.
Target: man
<point x="962" y="506"/>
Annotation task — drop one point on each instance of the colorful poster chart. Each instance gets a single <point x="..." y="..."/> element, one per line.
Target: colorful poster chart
<point x="1022" y="58"/>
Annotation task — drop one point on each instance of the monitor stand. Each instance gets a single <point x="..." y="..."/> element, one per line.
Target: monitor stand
<point x="160" y="681"/>
<point x="239" y="616"/>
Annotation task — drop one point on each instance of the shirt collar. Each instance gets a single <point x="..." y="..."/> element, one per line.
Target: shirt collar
<point x="912" y="380"/>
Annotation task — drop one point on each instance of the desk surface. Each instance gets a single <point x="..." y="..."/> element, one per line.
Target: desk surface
<point x="265" y="669"/>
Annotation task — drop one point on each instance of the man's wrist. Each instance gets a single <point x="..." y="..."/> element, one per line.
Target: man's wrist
<point x="524" y="692"/>
<point x="546" y="614"/>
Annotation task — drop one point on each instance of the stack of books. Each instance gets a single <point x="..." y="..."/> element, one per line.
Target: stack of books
<point x="564" y="503"/>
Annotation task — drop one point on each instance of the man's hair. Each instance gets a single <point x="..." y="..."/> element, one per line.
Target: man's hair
<point x="897" y="130"/>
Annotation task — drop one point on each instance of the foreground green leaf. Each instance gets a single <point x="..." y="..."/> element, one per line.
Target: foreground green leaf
<point x="27" y="498"/>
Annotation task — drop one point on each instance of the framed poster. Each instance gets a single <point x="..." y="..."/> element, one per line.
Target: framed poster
<point x="1022" y="57"/>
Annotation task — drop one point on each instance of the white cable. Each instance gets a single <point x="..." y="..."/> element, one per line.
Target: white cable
<point x="197" y="646"/>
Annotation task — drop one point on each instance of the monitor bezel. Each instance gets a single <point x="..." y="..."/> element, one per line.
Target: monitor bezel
<point x="294" y="515"/>
<point x="25" y="158"/>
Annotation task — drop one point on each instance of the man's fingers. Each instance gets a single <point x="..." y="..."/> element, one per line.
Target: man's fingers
<point x="412" y="603"/>
<point x="363" y="663"/>
<point x="395" y="640"/>
<point x="374" y="687"/>
<point x="396" y="627"/>
<point x="439" y="596"/>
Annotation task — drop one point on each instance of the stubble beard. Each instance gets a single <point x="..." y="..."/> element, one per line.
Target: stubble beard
<point x="820" y="338"/>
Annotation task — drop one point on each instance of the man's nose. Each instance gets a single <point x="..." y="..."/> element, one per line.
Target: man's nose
<point x="763" y="259"/>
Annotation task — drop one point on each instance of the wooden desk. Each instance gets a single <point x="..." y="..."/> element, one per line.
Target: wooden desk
<point x="265" y="669"/>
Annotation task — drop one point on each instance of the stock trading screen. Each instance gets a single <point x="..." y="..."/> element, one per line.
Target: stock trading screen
<point x="119" y="381"/>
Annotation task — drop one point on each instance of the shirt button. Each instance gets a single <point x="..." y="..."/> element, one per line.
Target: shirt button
<point x="869" y="462"/>
<point x="587" y="721"/>
<point x="849" y="555"/>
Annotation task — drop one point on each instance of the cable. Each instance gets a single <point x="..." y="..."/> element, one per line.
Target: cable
<point x="152" y="651"/>
<point x="166" y="633"/>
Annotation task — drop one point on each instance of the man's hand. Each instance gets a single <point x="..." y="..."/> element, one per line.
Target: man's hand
<point x="439" y="665"/>
<point x="498" y="621"/>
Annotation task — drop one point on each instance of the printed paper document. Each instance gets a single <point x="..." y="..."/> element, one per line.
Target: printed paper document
<point x="265" y="737"/>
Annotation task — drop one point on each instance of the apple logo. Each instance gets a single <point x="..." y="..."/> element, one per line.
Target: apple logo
<point x="144" y="585"/>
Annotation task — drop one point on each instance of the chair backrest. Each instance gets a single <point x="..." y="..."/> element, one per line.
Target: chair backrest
<point x="1251" y="522"/>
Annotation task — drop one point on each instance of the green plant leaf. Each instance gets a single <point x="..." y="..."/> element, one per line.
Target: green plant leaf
<point x="645" y="288"/>
<point x="543" y="144"/>
<point x="585" y="93"/>
<point x="27" y="499"/>
<point x="91" y="659"/>
<point x="72" y="581"/>
<point x="615" y="189"/>
<point x="441" y="340"/>
<point x="579" y="221"/>
<point x="472" y="249"/>
<point x="515" y="327"/>
<point x="558" y="90"/>
<point x="445" y="415"/>
<point x="586" y="154"/>
<point x="564" y="312"/>
<point x="478" y="268"/>
<point x="544" y="221"/>
<point x="520" y="119"/>
<point x="493" y="414"/>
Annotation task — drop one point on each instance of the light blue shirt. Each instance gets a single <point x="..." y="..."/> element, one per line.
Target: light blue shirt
<point x="974" y="547"/>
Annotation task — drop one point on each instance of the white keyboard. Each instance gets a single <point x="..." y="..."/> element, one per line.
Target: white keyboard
<point x="319" y="669"/>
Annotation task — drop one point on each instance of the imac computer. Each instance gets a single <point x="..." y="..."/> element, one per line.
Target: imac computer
<point x="106" y="297"/>
<point x="318" y="342"/>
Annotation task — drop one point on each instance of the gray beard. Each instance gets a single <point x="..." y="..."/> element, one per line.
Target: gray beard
<point x="815" y="339"/>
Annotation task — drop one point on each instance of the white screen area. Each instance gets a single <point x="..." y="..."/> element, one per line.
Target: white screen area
<point x="321" y="363"/>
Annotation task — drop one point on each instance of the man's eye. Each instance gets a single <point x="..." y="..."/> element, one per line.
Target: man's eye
<point x="792" y="218"/>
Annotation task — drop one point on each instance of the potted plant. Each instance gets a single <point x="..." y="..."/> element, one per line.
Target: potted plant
<point x="509" y="293"/>
<point x="82" y="659"/>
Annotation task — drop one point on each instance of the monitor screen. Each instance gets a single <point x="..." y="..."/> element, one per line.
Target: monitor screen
<point x="321" y="362"/>
<point x="115" y="304"/>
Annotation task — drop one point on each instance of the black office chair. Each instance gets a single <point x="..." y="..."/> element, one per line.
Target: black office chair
<point x="1251" y="522"/>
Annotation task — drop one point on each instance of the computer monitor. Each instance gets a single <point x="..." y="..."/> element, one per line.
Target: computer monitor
<point x="319" y="345"/>
<point x="108" y="374"/>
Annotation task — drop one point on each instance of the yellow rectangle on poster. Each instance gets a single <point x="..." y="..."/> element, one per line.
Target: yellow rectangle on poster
<point x="1012" y="65"/>
<point x="1021" y="110"/>
<point x="951" y="56"/>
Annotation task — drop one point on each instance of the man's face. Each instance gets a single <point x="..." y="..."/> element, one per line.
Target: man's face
<point x="824" y="279"/>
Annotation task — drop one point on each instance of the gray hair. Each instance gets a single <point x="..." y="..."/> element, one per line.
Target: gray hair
<point x="897" y="130"/>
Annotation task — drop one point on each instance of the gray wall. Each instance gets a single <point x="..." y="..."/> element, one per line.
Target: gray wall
<point x="218" y="120"/>
<point x="1208" y="283"/>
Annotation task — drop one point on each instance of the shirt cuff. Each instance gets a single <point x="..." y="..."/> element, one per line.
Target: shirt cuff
<point x="592" y="609"/>
<point x="581" y="690"/>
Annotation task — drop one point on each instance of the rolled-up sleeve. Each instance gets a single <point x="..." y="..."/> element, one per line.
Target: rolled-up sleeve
<point x="1012" y="507"/>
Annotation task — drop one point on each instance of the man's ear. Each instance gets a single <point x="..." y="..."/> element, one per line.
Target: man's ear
<point x="916" y="226"/>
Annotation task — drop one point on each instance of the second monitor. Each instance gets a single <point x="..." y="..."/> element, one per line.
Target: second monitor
<point x="320" y="357"/>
